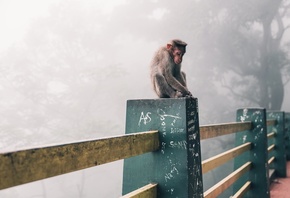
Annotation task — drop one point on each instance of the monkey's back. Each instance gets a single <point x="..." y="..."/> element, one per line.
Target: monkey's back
<point x="156" y="64"/>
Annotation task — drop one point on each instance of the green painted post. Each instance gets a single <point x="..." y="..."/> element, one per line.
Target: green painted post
<point x="258" y="155"/>
<point x="279" y="151"/>
<point x="287" y="138"/>
<point x="176" y="167"/>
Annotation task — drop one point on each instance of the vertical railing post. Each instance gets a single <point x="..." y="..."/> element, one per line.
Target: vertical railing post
<point x="279" y="150"/>
<point x="287" y="138"/>
<point x="176" y="167"/>
<point x="258" y="155"/>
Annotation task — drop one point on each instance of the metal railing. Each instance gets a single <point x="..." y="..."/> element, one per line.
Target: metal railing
<point x="165" y="160"/>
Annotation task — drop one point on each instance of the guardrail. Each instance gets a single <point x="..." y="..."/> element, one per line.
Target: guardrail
<point x="165" y="161"/>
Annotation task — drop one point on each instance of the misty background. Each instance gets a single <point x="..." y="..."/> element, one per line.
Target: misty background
<point x="67" y="68"/>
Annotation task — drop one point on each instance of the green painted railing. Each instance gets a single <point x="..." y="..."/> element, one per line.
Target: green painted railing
<point x="165" y="160"/>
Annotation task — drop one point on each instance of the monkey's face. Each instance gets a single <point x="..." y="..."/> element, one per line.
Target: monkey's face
<point x="177" y="55"/>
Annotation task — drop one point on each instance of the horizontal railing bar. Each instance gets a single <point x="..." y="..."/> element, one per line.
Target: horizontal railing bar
<point x="270" y="135"/>
<point x="242" y="191"/>
<point x="149" y="190"/>
<point x="222" y="158"/>
<point x="271" y="122"/>
<point x="270" y="148"/>
<point x="271" y="160"/>
<point x="25" y="166"/>
<point x="218" y="188"/>
<point x="210" y="131"/>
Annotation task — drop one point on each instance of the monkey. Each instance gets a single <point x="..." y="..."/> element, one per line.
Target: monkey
<point x="166" y="76"/>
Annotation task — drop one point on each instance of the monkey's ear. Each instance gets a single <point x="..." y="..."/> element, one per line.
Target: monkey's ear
<point x="168" y="46"/>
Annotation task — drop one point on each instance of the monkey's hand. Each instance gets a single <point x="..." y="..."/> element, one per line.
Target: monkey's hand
<point x="188" y="95"/>
<point x="178" y="94"/>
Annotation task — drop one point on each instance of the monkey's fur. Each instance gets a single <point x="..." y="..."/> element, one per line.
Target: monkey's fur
<point x="166" y="76"/>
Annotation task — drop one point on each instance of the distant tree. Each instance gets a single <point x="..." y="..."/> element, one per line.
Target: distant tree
<point x="240" y="44"/>
<point x="56" y="80"/>
<point x="251" y="58"/>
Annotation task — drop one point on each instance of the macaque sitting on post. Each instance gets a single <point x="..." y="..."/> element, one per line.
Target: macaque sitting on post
<point x="167" y="78"/>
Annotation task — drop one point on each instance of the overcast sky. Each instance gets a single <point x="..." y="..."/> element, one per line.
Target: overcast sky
<point x="16" y="16"/>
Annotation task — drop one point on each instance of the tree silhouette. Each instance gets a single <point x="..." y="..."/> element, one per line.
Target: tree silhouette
<point x="250" y="56"/>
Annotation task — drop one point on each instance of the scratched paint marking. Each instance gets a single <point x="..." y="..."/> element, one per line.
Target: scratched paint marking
<point x="163" y="115"/>
<point x="191" y="128"/>
<point x="176" y="130"/>
<point x="144" y="118"/>
<point x="178" y="144"/>
<point x="190" y="122"/>
<point x="171" y="174"/>
<point x="192" y="136"/>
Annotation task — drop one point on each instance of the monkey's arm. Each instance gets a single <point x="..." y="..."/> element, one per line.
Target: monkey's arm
<point x="181" y="77"/>
<point x="175" y="84"/>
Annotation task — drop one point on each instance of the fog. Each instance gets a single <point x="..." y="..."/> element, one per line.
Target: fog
<point x="67" y="69"/>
